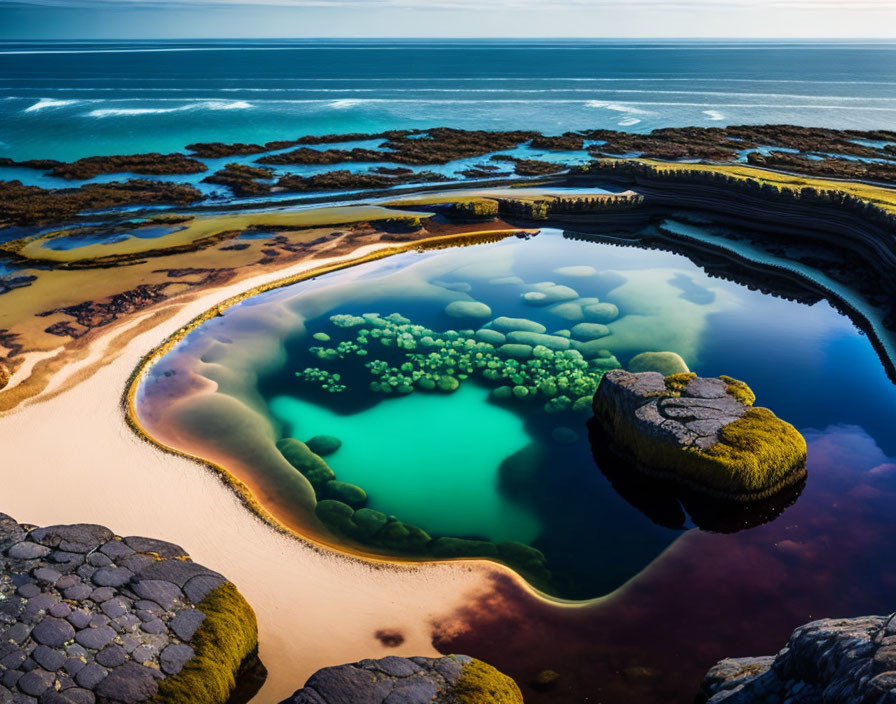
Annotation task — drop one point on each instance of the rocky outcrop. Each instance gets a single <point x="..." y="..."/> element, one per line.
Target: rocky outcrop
<point x="90" y="617"/>
<point x="456" y="679"/>
<point x="836" y="661"/>
<point x="5" y="375"/>
<point x="703" y="432"/>
<point x="24" y="205"/>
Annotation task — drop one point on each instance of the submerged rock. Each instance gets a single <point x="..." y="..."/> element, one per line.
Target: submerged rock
<point x="323" y="445"/>
<point x="703" y="432"/>
<point x="468" y="309"/>
<point x="665" y="363"/>
<point x="88" y="616"/>
<point x="455" y="679"/>
<point x="835" y="660"/>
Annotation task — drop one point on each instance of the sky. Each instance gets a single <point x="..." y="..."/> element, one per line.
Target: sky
<point x="146" y="19"/>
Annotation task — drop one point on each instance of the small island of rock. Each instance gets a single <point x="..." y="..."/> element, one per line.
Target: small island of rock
<point x="703" y="432"/>
<point x="454" y="679"/>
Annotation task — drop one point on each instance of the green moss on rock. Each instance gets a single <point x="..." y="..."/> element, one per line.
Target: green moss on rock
<point x="224" y="640"/>
<point x="739" y="390"/>
<point x="738" y="452"/>
<point x="481" y="683"/>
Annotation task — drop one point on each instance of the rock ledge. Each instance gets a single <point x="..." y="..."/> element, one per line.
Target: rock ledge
<point x="837" y="661"/>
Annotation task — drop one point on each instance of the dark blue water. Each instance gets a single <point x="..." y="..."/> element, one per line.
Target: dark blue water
<point x="79" y="99"/>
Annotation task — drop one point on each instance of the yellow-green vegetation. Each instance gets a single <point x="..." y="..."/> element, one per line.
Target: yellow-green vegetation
<point x="754" y="453"/>
<point x="480" y="683"/>
<point x="739" y="390"/>
<point x="755" y="456"/>
<point x="675" y="383"/>
<point x="227" y="637"/>
<point x="208" y="229"/>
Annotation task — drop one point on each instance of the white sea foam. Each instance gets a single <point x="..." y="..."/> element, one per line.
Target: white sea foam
<point x="45" y="103"/>
<point x="628" y="121"/>
<point x="202" y="105"/>
<point x="714" y="115"/>
<point x="615" y="107"/>
<point x="346" y="103"/>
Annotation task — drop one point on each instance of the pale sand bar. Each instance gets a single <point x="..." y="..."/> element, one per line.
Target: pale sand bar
<point x="71" y="457"/>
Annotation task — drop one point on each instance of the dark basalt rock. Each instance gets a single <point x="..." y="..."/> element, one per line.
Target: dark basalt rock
<point x="531" y="167"/>
<point x="703" y="432"/>
<point x="836" y="661"/>
<point x="456" y="679"/>
<point x="348" y="180"/>
<point x="568" y="141"/>
<point x="26" y="205"/>
<point x="89" y="617"/>
<point x="145" y="164"/>
<point x="242" y="180"/>
<point x="827" y="168"/>
<point x="304" y="155"/>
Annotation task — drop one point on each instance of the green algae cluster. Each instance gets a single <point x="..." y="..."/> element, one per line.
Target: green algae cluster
<point x="515" y="356"/>
<point x="341" y="507"/>
<point x="226" y="639"/>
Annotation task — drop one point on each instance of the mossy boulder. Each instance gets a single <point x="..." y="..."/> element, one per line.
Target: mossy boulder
<point x="349" y="494"/>
<point x="403" y="537"/>
<point x="589" y="331"/>
<point x="368" y="522"/>
<point x="323" y="445"/>
<point x="666" y="363"/>
<point x="300" y="456"/>
<point x="552" y="342"/>
<point x="336" y="515"/>
<point x="454" y="679"/>
<point x="703" y="432"/>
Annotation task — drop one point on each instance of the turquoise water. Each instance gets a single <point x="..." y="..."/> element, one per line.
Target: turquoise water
<point x="436" y="460"/>
<point x="73" y="100"/>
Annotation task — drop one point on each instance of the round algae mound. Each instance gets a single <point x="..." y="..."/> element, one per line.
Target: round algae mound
<point x="323" y="445"/>
<point x="468" y="309"/>
<point x="589" y="331"/>
<point x="505" y="324"/>
<point x="601" y="312"/>
<point x="666" y="363"/>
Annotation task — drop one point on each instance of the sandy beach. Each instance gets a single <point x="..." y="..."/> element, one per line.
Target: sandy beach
<point x="76" y="460"/>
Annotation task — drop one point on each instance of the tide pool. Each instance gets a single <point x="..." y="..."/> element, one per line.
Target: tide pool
<point x="431" y="460"/>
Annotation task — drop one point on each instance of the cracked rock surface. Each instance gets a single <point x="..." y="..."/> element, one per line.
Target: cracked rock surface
<point x="88" y="617"/>
<point x="396" y="680"/>
<point x="692" y="419"/>
<point x="836" y="661"/>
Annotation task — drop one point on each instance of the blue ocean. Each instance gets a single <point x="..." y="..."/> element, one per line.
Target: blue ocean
<point x="76" y="99"/>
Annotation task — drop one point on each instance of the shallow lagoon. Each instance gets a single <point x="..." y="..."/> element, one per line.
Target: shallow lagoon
<point x="230" y="390"/>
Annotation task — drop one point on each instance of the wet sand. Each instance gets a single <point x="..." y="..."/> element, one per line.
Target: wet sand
<point x="73" y="458"/>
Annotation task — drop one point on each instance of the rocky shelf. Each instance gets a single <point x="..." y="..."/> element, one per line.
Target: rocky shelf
<point x="88" y="617"/>
<point x="455" y="679"/>
<point x="703" y="432"/>
<point x="840" y="661"/>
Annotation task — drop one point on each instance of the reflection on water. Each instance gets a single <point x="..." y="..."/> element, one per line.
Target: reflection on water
<point x="438" y="461"/>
